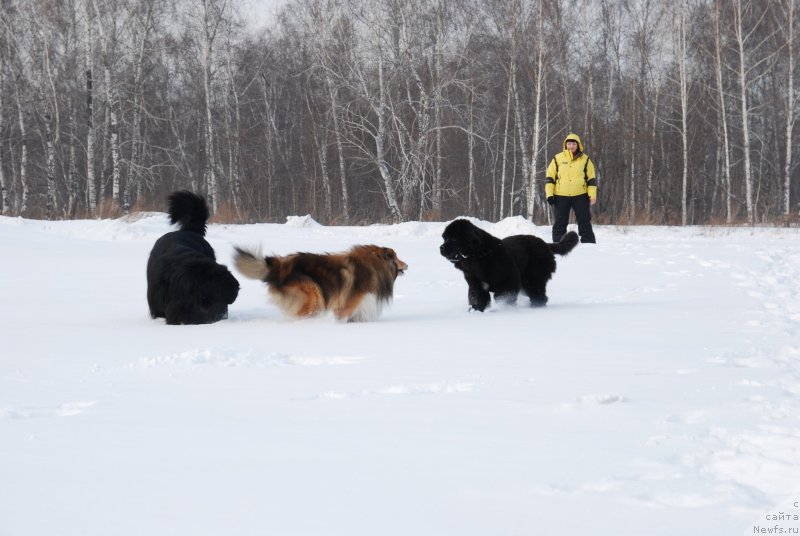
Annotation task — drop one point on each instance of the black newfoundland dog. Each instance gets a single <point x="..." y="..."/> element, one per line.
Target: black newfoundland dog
<point x="185" y="284"/>
<point x="502" y="267"/>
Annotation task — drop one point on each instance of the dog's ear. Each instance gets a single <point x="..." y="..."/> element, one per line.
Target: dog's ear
<point x="389" y="254"/>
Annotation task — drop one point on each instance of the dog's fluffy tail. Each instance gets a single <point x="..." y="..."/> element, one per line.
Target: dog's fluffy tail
<point x="189" y="211"/>
<point x="252" y="265"/>
<point x="566" y="244"/>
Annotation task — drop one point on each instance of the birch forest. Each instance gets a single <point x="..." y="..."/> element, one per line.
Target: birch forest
<point x="365" y="111"/>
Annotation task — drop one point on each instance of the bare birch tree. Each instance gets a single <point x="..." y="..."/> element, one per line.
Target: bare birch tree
<point x="520" y="115"/>
<point x="72" y="167"/>
<point x="331" y="30"/>
<point x="741" y="40"/>
<point x="504" y="150"/>
<point x="723" y="114"/>
<point x="381" y="108"/>
<point x="233" y="120"/>
<point x="48" y="99"/>
<point x="107" y="34"/>
<point x="438" y="103"/>
<point x="681" y="53"/>
<point x="319" y="135"/>
<point x="789" y="10"/>
<point x="745" y="33"/>
<point x="5" y="204"/>
<point x="211" y="15"/>
<point x="648" y="203"/>
<point x="91" y="181"/>
<point x="133" y="183"/>
<point x="376" y="97"/>
<point x="323" y="20"/>
<point x="271" y="136"/>
<point x="538" y="76"/>
<point x="23" y="159"/>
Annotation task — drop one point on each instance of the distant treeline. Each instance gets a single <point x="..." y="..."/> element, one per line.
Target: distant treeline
<point x="361" y="111"/>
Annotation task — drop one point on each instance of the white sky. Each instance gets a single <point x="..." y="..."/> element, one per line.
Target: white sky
<point x="261" y="12"/>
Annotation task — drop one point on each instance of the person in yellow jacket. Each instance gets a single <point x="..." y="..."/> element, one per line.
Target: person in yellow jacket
<point x="571" y="185"/>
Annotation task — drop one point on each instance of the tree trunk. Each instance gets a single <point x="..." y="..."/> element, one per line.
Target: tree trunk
<point x="471" y="192"/>
<point x="183" y="165"/>
<point x="587" y="119"/>
<point x="270" y="133"/>
<point x="418" y="149"/>
<point x="648" y="200"/>
<point x="632" y="184"/>
<point x="210" y="169"/>
<point x="111" y="100"/>
<point x="684" y="99"/>
<point x="748" y="177"/>
<point x="339" y="148"/>
<point x="322" y="152"/>
<point x="790" y="117"/>
<point x="726" y="154"/>
<point x="436" y="194"/>
<point x="50" y="157"/>
<point x="208" y="33"/>
<point x="234" y="146"/>
<point x="533" y="193"/>
<point x="380" y="150"/>
<point x="72" y="169"/>
<point x="505" y="142"/>
<point x="436" y="203"/>
<point x="91" y="181"/>
<point x="5" y="204"/>
<point x="52" y="122"/>
<point x="133" y="182"/>
<point x="522" y="128"/>
<point x="23" y="159"/>
<point x="92" y="192"/>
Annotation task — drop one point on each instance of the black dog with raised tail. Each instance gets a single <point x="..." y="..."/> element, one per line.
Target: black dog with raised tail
<point x="502" y="267"/>
<point x="185" y="285"/>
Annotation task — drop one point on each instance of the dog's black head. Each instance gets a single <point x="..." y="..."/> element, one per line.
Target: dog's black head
<point x="463" y="240"/>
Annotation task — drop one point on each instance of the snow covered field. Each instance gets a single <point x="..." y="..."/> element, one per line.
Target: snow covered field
<point x="658" y="393"/>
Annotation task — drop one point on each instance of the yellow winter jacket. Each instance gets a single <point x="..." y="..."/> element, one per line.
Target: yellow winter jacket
<point x="566" y="176"/>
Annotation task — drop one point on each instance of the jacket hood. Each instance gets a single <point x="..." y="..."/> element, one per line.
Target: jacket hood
<point x="576" y="138"/>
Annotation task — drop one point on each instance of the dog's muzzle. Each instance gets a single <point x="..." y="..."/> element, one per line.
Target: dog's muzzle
<point x="401" y="267"/>
<point x="452" y="256"/>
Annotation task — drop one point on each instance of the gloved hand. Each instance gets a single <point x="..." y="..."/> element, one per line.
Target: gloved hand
<point x="551" y="200"/>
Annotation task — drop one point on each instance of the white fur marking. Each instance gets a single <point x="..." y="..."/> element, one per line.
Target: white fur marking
<point x="369" y="309"/>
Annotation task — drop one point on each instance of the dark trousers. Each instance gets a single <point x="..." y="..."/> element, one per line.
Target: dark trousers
<point x="580" y="204"/>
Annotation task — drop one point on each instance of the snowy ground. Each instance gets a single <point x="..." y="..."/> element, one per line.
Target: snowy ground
<point x="658" y="393"/>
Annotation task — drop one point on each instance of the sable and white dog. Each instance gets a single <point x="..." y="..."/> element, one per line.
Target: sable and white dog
<point x="354" y="285"/>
